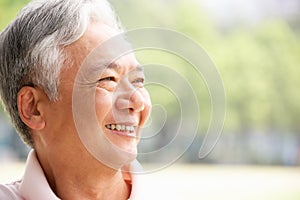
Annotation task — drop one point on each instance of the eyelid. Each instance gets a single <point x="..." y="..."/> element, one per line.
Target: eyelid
<point x="139" y="80"/>
<point x="107" y="78"/>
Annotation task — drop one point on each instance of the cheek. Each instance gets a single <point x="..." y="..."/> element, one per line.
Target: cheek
<point x="148" y="105"/>
<point x="103" y="104"/>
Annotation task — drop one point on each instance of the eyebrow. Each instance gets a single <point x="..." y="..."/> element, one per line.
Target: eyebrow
<point x="117" y="67"/>
<point x="139" y="68"/>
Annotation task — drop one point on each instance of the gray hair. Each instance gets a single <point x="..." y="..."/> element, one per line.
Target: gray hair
<point x="32" y="48"/>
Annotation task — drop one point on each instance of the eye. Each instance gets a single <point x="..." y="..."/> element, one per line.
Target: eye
<point x="108" y="83"/>
<point x="139" y="82"/>
<point x="109" y="78"/>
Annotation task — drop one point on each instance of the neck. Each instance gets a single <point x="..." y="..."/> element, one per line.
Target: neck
<point x="87" y="179"/>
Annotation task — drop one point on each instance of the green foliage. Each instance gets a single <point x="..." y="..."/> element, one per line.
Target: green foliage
<point x="259" y="65"/>
<point x="9" y="9"/>
<point x="260" y="68"/>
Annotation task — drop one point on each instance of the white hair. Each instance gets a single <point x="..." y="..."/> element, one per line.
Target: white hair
<point x="32" y="47"/>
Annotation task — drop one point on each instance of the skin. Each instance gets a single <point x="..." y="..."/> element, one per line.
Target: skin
<point x="72" y="172"/>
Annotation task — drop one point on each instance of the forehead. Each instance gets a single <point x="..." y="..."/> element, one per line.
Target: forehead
<point x="125" y="64"/>
<point x="101" y="47"/>
<point x="94" y="66"/>
<point x="98" y="50"/>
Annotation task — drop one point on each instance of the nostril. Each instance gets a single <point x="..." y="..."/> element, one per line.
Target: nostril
<point x="138" y="107"/>
<point x="131" y="101"/>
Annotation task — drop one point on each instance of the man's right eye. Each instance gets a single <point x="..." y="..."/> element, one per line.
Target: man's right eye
<point x="109" y="78"/>
<point x="107" y="82"/>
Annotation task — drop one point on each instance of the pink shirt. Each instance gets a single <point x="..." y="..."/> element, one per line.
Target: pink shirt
<point x="34" y="185"/>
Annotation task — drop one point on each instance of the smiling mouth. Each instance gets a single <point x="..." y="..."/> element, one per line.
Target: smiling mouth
<point x="122" y="129"/>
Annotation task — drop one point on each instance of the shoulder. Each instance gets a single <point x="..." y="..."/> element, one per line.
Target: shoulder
<point x="10" y="191"/>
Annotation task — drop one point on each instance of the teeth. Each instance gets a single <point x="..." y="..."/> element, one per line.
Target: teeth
<point x="119" y="127"/>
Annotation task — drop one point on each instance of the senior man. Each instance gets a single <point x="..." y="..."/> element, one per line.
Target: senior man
<point x="47" y="79"/>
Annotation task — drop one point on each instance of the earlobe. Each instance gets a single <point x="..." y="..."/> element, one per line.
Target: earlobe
<point x="29" y="109"/>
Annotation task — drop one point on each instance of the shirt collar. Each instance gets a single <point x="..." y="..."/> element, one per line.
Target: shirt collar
<point x="34" y="185"/>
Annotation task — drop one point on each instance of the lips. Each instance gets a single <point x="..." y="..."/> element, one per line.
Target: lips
<point x="122" y="129"/>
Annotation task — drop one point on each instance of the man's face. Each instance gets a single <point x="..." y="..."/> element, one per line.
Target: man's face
<point x="122" y="103"/>
<point x="115" y="91"/>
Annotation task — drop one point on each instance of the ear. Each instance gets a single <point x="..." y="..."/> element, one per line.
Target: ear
<point x="29" y="99"/>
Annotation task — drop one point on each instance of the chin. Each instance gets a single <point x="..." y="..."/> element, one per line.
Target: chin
<point x="128" y="147"/>
<point x="126" y="156"/>
<point x="125" y="146"/>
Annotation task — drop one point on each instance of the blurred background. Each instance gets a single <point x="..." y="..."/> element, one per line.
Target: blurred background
<point x="256" y="48"/>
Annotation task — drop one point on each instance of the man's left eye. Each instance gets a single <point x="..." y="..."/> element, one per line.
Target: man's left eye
<point x="139" y="81"/>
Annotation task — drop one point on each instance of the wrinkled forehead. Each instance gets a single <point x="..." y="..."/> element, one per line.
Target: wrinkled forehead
<point x="98" y="64"/>
<point x="101" y="48"/>
<point x="125" y="64"/>
<point x="99" y="42"/>
<point x="122" y="64"/>
<point x="114" y="54"/>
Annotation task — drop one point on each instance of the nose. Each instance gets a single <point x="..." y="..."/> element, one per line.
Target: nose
<point x="131" y="100"/>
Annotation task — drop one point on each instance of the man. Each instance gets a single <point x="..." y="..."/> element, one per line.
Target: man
<point x="75" y="98"/>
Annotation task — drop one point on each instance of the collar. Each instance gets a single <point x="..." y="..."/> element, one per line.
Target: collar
<point x="34" y="185"/>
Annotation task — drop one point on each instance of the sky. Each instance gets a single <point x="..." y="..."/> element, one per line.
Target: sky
<point x="250" y="11"/>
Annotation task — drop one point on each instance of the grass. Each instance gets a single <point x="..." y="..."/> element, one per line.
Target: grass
<point x="227" y="182"/>
<point x="209" y="182"/>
